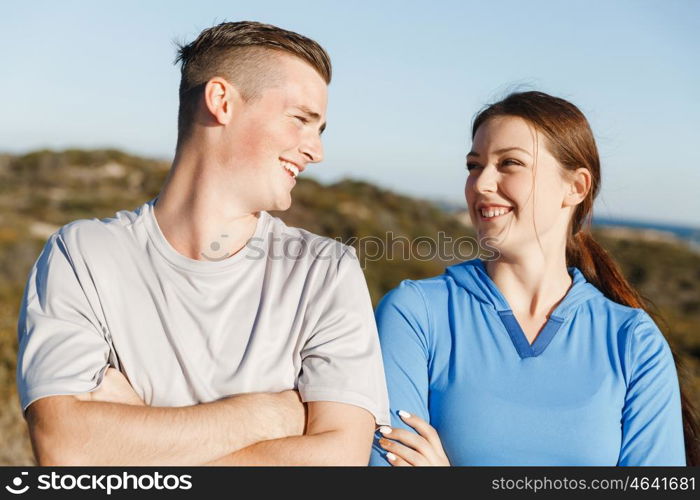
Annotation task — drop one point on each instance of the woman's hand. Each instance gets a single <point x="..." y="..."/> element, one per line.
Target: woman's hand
<point x="406" y="448"/>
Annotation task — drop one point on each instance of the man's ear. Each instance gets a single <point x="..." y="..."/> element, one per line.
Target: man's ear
<point x="579" y="185"/>
<point x="219" y="99"/>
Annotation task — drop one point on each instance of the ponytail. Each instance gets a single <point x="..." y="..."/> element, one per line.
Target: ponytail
<point x="583" y="252"/>
<point x="601" y="270"/>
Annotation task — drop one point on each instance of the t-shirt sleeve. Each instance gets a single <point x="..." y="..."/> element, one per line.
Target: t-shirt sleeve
<point x="341" y="359"/>
<point x="652" y="427"/>
<point x="402" y="319"/>
<point x="61" y="346"/>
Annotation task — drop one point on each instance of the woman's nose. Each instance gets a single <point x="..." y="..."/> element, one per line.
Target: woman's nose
<point x="487" y="181"/>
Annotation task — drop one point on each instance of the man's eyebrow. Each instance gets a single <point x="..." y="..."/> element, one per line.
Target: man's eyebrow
<point x="308" y="111"/>
<point x="313" y="115"/>
<point x="501" y="151"/>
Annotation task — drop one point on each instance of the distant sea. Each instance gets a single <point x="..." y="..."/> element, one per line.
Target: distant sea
<point x="688" y="233"/>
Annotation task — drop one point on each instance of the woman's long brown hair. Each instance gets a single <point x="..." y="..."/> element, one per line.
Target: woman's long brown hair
<point x="571" y="142"/>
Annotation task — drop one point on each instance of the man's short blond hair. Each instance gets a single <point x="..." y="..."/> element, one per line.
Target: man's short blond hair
<point x="244" y="53"/>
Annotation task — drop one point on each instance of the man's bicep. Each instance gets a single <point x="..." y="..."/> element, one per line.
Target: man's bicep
<point x="341" y="359"/>
<point x="353" y="426"/>
<point x="326" y="416"/>
<point x="62" y="349"/>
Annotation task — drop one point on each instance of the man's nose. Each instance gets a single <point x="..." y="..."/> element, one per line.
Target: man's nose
<point x="312" y="149"/>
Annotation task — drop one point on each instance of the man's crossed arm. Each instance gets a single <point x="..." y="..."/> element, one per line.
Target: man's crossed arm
<point x="337" y="434"/>
<point x="111" y="426"/>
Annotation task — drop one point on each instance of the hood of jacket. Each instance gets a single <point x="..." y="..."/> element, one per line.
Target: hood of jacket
<point x="472" y="276"/>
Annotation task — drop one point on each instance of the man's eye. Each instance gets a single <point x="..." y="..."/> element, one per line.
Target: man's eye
<point x="302" y="119"/>
<point x="472" y="166"/>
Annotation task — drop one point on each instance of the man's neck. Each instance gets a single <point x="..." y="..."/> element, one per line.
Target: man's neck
<point x="198" y="213"/>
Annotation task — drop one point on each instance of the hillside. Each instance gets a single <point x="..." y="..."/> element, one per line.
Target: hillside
<point x="43" y="190"/>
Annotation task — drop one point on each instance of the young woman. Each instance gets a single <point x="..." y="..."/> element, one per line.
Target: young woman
<point x="544" y="354"/>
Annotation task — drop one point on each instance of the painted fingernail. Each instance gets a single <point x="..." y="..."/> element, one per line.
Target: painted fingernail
<point x="385" y="430"/>
<point x="390" y="456"/>
<point x="404" y="414"/>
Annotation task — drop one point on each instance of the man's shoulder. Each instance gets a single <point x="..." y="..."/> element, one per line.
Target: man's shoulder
<point x="96" y="232"/>
<point x="297" y="242"/>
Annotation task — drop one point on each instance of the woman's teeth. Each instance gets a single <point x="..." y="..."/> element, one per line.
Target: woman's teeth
<point x="494" y="212"/>
<point x="290" y="167"/>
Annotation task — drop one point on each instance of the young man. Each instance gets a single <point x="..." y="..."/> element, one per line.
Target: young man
<point x="180" y="333"/>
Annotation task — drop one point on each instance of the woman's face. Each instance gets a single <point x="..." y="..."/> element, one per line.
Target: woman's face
<point x="517" y="193"/>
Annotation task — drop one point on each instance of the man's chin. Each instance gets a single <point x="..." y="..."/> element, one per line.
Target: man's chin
<point x="281" y="205"/>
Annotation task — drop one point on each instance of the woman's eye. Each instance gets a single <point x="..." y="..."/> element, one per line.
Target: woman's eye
<point x="509" y="162"/>
<point x="472" y="166"/>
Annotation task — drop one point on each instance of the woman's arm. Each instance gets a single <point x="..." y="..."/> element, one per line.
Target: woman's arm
<point x="652" y="425"/>
<point x="404" y="334"/>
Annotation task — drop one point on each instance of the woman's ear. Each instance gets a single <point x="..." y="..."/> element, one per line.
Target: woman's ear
<point x="579" y="186"/>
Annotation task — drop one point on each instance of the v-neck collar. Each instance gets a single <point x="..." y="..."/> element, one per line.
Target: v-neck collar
<point x="519" y="339"/>
<point x="472" y="276"/>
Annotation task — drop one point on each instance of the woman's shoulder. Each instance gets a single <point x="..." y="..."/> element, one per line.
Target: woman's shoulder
<point x="625" y="317"/>
<point x="432" y="293"/>
<point x="416" y="302"/>
<point x="418" y="291"/>
<point x="634" y="329"/>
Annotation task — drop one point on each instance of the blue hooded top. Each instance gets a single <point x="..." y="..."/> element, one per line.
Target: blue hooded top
<point x="598" y="386"/>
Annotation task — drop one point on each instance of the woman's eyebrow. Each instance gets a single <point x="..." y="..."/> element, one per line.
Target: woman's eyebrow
<point x="501" y="151"/>
<point x="513" y="148"/>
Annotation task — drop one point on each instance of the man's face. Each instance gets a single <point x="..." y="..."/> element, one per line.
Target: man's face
<point x="274" y="137"/>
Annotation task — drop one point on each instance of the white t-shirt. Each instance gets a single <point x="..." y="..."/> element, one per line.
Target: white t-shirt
<point x="289" y="310"/>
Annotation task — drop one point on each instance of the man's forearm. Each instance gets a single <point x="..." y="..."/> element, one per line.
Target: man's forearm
<point x="329" y="448"/>
<point x="103" y="433"/>
<point x="336" y="434"/>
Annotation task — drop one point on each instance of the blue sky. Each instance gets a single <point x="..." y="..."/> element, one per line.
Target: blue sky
<point x="408" y="78"/>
